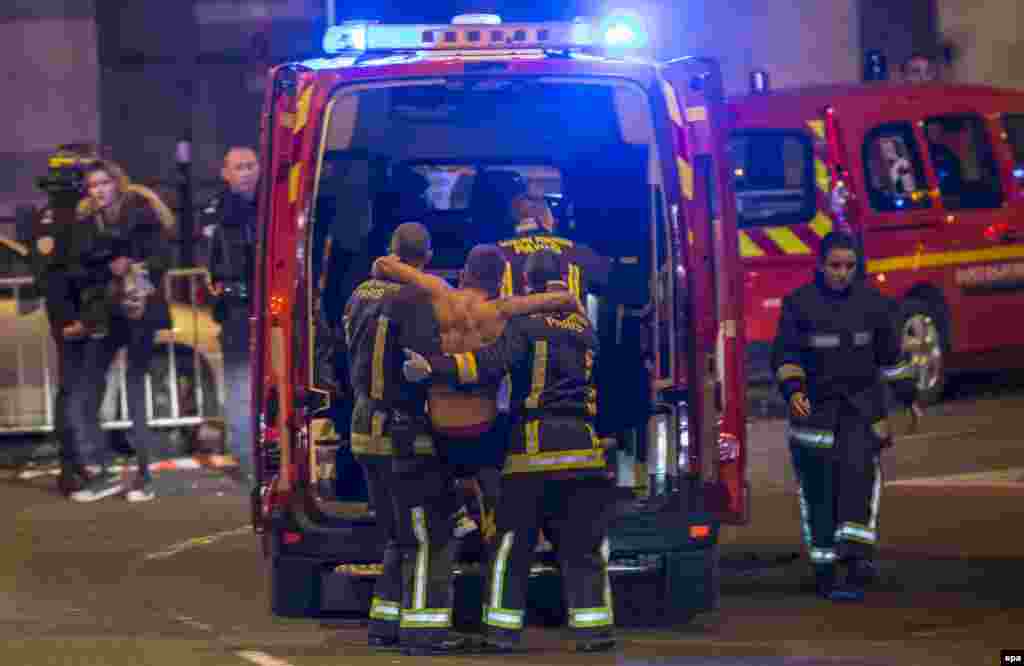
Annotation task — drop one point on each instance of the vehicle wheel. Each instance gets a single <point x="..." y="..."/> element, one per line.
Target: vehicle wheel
<point x="924" y="339"/>
<point x="690" y="585"/>
<point x="294" y="586"/>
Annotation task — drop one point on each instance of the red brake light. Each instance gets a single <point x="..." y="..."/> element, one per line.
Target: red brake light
<point x="700" y="531"/>
<point x="291" y="538"/>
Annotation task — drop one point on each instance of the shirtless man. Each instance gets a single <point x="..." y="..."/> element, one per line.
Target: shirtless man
<point x="465" y="422"/>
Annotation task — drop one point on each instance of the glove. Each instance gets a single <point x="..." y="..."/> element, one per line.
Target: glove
<point x="416" y="368"/>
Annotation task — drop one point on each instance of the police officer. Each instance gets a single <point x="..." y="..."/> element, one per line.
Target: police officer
<point x="837" y="346"/>
<point x="229" y="220"/>
<point x="555" y="476"/>
<point x="411" y="490"/>
<point x="582" y="268"/>
<point x="52" y="239"/>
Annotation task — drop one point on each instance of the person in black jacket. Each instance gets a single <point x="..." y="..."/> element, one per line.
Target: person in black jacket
<point x="837" y="345"/>
<point x="122" y="246"/>
<point x="556" y="475"/>
<point x="230" y="221"/>
<point x="410" y="487"/>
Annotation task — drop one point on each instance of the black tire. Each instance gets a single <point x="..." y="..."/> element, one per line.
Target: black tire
<point x="690" y="585"/>
<point x="294" y="586"/>
<point x="925" y="335"/>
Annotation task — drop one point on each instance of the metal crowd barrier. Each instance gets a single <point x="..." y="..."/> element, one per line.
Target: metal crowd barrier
<point x="28" y="373"/>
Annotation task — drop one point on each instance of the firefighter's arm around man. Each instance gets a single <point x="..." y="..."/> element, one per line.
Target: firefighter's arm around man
<point x="484" y="366"/>
<point x="787" y="360"/>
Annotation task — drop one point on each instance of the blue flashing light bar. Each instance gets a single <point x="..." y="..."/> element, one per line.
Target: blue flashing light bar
<point x="486" y="32"/>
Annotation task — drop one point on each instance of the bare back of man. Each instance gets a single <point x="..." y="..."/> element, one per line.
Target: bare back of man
<point x="470" y="318"/>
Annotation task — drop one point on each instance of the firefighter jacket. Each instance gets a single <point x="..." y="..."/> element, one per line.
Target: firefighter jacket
<point x="51" y="253"/>
<point x="551" y="360"/>
<point x="381" y="319"/>
<point x="839" y="348"/>
<point x="583" y="269"/>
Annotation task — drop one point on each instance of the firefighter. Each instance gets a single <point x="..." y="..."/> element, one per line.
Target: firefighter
<point x="229" y="220"/>
<point x="555" y="476"/>
<point x="837" y="346"/>
<point x="534" y="224"/>
<point x="51" y="255"/>
<point x="411" y="490"/>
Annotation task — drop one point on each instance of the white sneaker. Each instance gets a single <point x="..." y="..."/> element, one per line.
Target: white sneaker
<point x="140" y="494"/>
<point x="98" y="489"/>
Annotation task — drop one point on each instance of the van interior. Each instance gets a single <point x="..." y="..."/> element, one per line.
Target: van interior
<point x="435" y="152"/>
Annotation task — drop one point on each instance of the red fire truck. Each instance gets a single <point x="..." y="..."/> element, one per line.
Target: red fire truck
<point x="929" y="177"/>
<point x="402" y="122"/>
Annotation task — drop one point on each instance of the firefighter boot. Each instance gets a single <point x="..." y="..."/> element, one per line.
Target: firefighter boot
<point x="851" y="589"/>
<point x="862" y="572"/>
<point x="824" y="579"/>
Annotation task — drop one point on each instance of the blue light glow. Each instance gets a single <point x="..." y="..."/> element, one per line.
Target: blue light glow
<point x="1018" y="172"/>
<point x="623" y="30"/>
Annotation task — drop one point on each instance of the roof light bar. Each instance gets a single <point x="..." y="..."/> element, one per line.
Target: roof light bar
<point x="466" y="32"/>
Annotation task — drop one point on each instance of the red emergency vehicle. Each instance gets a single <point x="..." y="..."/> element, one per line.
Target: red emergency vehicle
<point x="930" y="178"/>
<point x="402" y="122"/>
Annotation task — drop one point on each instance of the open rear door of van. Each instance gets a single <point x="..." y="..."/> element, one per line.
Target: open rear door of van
<point x="707" y="245"/>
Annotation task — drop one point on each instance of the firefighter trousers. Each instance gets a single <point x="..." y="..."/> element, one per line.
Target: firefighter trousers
<point x="575" y="516"/>
<point x="425" y="505"/>
<point x="385" y="608"/>
<point x="840" y="482"/>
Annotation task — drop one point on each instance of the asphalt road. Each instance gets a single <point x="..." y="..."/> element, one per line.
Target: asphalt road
<point x="178" y="581"/>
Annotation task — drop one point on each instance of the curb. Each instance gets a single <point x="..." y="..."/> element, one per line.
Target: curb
<point x="170" y="465"/>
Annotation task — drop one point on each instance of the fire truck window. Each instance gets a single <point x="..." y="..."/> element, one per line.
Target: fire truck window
<point x="893" y="169"/>
<point x="773" y="176"/>
<point x="1015" y="135"/>
<point x="964" y="162"/>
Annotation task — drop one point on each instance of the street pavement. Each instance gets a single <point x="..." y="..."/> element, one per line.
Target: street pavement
<point x="179" y="581"/>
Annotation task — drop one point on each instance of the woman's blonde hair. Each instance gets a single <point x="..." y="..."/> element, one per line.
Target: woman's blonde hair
<point x="87" y="206"/>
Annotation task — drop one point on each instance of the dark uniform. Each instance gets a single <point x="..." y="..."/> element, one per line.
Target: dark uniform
<point x="409" y="487"/>
<point x="555" y="475"/>
<point x="839" y="349"/>
<point x="232" y="222"/>
<point x="51" y="247"/>
<point x="583" y="269"/>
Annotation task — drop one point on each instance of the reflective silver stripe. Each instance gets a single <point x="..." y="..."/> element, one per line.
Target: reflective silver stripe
<point x="876" y="497"/>
<point x="419" y="581"/>
<point x="504" y="618"/>
<point x="824" y="341"/>
<point x="384" y="610"/>
<point x="498" y="574"/>
<point x="822" y="555"/>
<point x="561" y="460"/>
<point x="862" y="338"/>
<point x="431" y="618"/>
<point x="855" y="532"/>
<point x="589" y="617"/>
<point x="899" y="372"/>
<point x="812" y="437"/>
<point x="805" y="515"/>
<point x="606" y="556"/>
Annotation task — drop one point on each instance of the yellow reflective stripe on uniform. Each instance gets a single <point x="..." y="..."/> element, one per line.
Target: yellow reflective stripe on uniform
<point x="531" y="430"/>
<point x="588" y="369"/>
<point x="787" y="240"/>
<point x="498" y="570"/>
<point x="554" y="461"/>
<point x="422" y="568"/>
<point x="574" y="281"/>
<point x="385" y="610"/>
<point x="789" y="371"/>
<point x="377" y="364"/>
<point x="540" y="369"/>
<point x="817" y="127"/>
<point x="876" y="496"/>
<point x="465" y="364"/>
<point x="377" y="425"/>
<point x="507" y="284"/>
<point x="426" y="618"/>
<point x="368" y="445"/>
<point x="582" y="618"/>
<point x="503" y="618"/>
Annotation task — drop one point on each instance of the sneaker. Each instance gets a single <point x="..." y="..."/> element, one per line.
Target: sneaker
<point x="98" y="488"/>
<point x="142" y="492"/>
<point x="446" y="646"/>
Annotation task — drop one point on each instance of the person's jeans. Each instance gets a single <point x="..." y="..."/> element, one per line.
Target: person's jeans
<point x="70" y="363"/>
<point x="86" y="398"/>
<point x="234" y="341"/>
